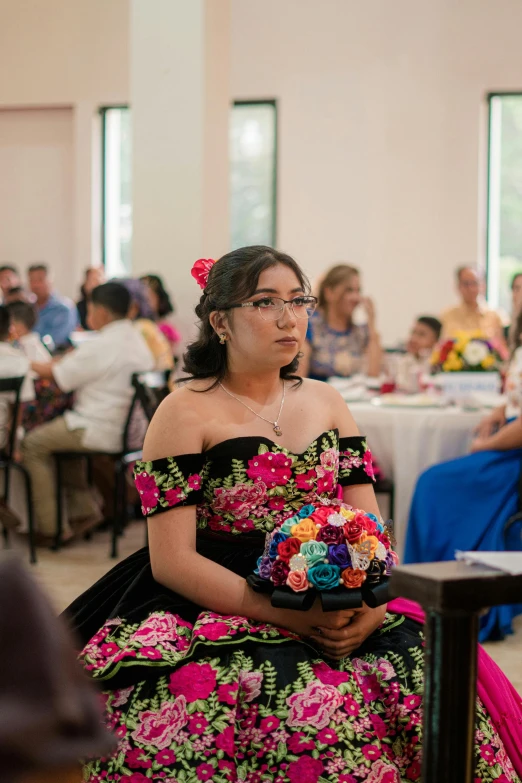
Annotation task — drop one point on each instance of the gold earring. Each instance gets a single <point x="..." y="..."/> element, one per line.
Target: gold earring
<point x="223" y="338"/>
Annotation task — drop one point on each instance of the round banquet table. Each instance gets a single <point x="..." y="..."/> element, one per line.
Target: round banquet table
<point x="407" y="441"/>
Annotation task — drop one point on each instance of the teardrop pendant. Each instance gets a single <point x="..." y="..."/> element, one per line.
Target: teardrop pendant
<point x="277" y="430"/>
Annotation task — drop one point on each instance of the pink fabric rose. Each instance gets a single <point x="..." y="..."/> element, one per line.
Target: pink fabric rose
<point x="297" y="581"/>
<point x="305" y="770"/>
<point x="250" y="685"/>
<point x="329" y="676"/>
<point x="161" y="728"/>
<point x="201" y="270"/>
<point x="270" y="468"/>
<point x="193" y="681"/>
<point x="314" y="706"/>
<point x="321" y="514"/>
<point x="155" y="629"/>
<point x="148" y="491"/>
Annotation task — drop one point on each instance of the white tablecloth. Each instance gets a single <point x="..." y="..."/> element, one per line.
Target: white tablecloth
<point x="407" y="441"/>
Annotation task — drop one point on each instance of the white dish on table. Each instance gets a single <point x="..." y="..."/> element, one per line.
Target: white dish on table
<point x="409" y="401"/>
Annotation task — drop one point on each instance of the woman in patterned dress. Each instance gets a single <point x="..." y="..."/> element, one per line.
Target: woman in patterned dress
<point x="203" y="678"/>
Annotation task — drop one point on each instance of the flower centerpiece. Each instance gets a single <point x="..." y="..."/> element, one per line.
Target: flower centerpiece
<point x="333" y="550"/>
<point x="467" y="352"/>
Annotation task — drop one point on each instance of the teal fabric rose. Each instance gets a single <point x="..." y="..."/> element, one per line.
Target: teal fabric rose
<point x="288" y="524"/>
<point x="306" y="511"/>
<point x="324" y="577"/>
<point x="315" y="552"/>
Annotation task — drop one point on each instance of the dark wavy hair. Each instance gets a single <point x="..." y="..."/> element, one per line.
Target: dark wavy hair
<point x="165" y="306"/>
<point x="232" y="280"/>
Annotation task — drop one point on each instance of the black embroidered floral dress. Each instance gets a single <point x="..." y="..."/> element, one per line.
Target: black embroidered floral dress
<point x="196" y="696"/>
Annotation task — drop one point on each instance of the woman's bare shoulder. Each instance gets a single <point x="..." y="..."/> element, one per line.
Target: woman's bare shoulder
<point x="338" y="412"/>
<point x="178" y="426"/>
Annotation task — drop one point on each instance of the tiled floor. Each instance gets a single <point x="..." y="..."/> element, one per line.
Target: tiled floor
<point x="67" y="573"/>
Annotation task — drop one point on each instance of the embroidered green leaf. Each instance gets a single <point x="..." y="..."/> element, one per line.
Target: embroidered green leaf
<point x="281" y="752"/>
<point x="263" y="449"/>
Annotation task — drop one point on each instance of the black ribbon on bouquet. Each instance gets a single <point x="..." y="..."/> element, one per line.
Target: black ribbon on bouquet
<point x="373" y="595"/>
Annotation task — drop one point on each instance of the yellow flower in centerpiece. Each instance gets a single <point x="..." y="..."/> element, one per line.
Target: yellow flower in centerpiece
<point x="488" y="362"/>
<point x="453" y="363"/>
<point x="349" y="515"/>
<point x="306" y="530"/>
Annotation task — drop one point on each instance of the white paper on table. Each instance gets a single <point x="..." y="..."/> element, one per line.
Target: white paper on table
<point x="508" y="562"/>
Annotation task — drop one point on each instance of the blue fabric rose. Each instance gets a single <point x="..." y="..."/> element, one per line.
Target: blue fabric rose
<point x="276" y="539"/>
<point x="338" y="555"/>
<point x="324" y="577"/>
<point x="306" y="511"/>
<point x="264" y="567"/>
<point x="371" y="516"/>
<point x="288" y="524"/>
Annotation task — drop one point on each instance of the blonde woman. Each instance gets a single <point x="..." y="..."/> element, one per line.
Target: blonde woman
<point x="335" y="345"/>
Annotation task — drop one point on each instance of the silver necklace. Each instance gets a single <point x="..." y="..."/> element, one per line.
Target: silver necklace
<point x="275" y="424"/>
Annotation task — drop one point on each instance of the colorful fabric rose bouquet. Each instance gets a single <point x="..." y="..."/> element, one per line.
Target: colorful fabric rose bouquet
<point x="339" y="552"/>
<point x="467" y="352"/>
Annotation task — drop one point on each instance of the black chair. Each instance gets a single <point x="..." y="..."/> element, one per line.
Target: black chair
<point x="386" y="487"/>
<point x="8" y="463"/>
<point x="151" y="389"/>
<point x="129" y="453"/>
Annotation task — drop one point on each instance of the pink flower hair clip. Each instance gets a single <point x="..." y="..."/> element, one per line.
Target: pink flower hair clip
<point x="201" y="270"/>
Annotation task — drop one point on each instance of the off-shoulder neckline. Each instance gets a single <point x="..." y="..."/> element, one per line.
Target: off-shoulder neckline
<point x="258" y="439"/>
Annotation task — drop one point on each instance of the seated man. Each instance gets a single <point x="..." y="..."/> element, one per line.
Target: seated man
<point x="424" y="336"/>
<point x="99" y="371"/>
<point x="9" y="278"/>
<point x="472" y="314"/>
<point x="57" y="315"/>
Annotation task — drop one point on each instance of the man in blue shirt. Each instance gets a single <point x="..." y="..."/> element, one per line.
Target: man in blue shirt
<point x="57" y="315"/>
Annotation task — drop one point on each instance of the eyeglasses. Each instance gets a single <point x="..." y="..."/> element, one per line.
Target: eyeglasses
<point x="271" y="308"/>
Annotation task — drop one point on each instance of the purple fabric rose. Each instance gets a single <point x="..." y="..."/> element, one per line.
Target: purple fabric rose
<point x="264" y="567"/>
<point x="330" y="534"/>
<point x="338" y="555"/>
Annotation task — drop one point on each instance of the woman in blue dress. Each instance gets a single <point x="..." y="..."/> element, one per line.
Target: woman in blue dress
<point x="465" y="503"/>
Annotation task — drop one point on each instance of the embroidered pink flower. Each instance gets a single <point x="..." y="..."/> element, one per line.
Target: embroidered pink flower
<point x="201" y="270"/>
<point x="305" y="770"/>
<point x="368" y="464"/>
<point x="329" y="676"/>
<point x="205" y="771"/>
<point x="151" y="653"/>
<point x="379" y="726"/>
<point x="121" y="696"/>
<point x="487" y="753"/>
<point x="306" y="480"/>
<point x="109" y="649"/>
<point x="165" y="757"/>
<point x="250" y="685"/>
<point x="270" y="724"/>
<point x="229" y="767"/>
<point x="244" y="525"/>
<point x="161" y="728"/>
<point x="327" y="736"/>
<point x="386" y="669"/>
<point x="137" y="777"/>
<point x="228" y="693"/>
<point x="148" y="491"/>
<point x="217" y="523"/>
<point x="346" y="779"/>
<point x="326" y="483"/>
<point x="314" y="706"/>
<point x="270" y="468"/>
<point x="414" y="771"/>
<point x="383" y="773"/>
<point x="157" y="628"/>
<point x="174" y="496"/>
<point x="299" y="742"/>
<point x="276" y="504"/>
<point x="194" y="481"/>
<point x="351" y="706"/>
<point x="240" y="499"/>
<point x="193" y="681"/>
<point x="197" y="724"/>
<point x="330" y="459"/>
<point x="370" y="687"/>
<point x="213" y="631"/>
<point x="225" y="741"/>
<point x="137" y="758"/>
<point x="412" y="701"/>
<point x="371" y="752"/>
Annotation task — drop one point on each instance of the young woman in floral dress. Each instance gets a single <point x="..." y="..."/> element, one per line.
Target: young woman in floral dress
<point x="203" y="678"/>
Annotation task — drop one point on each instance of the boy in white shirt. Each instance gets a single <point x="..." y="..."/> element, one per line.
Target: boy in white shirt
<point x="23" y="320"/>
<point x="99" y="371"/>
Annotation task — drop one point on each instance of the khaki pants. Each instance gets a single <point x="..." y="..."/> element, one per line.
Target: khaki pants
<point x="37" y="451"/>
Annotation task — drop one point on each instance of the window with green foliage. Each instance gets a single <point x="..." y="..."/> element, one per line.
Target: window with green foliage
<point x="253" y="173"/>
<point x="116" y="191"/>
<point x="504" y="248"/>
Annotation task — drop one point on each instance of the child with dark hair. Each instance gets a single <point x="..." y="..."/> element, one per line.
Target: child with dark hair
<point x="23" y="322"/>
<point x="13" y="364"/>
<point x="424" y="336"/>
<point x="49" y="712"/>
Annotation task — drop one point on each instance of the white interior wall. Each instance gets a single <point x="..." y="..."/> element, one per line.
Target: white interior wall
<point x="58" y="53"/>
<point x="382" y="133"/>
